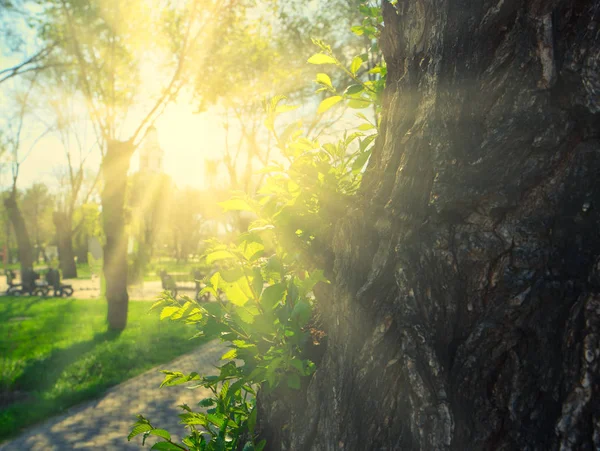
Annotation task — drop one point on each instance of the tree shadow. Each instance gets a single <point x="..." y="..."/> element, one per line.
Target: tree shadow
<point x="14" y="308"/>
<point x="42" y="374"/>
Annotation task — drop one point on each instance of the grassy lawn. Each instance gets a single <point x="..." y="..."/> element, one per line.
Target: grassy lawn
<point x="55" y="353"/>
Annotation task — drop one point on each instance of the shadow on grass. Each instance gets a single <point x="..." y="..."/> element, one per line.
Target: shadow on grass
<point x="13" y="307"/>
<point x="42" y="374"/>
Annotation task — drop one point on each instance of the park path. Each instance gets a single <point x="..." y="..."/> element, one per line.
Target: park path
<point x="105" y="423"/>
<point x="90" y="289"/>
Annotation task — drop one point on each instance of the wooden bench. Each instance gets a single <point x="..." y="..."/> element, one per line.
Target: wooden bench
<point x="176" y="282"/>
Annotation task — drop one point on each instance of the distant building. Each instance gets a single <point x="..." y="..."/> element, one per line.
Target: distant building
<point x="151" y="155"/>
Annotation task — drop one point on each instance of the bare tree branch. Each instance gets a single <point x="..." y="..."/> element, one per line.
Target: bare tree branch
<point x="94" y="114"/>
<point x="24" y="66"/>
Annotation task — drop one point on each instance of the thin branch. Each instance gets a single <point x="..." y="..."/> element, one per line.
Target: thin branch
<point x="172" y="90"/>
<point x="48" y="130"/>
<point x="167" y="94"/>
<point x="84" y="76"/>
<point x="20" y="68"/>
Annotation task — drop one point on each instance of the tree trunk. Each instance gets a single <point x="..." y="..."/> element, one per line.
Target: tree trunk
<point x="114" y="171"/>
<point x="64" y="241"/>
<point x="465" y="299"/>
<point x="18" y="223"/>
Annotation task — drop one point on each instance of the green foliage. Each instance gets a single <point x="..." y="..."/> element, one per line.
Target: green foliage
<point x="263" y="284"/>
<point x="37" y="205"/>
<point x="362" y="93"/>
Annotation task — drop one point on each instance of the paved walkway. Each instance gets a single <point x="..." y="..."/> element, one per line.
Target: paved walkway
<point x="105" y="423"/>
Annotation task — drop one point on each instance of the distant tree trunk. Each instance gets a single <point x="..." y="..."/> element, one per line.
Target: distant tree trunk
<point x="64" y="241"/>
<point x="114" y="171"/>
<point x="81" y="247"/>
<point x="464" y="311"/>
<point x="7" y="233"/>
<point x="18" y="223"/>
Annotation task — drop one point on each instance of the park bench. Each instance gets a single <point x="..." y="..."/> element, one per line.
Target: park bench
<point x="176" y="282"/>
<point x="30" y="284"/>
<point x="60" y="289"/>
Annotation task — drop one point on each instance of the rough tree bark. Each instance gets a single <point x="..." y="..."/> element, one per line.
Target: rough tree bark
<point x="64" y="241"/>
<point x="115" y="165"/>
<point x="466" y="316"/>
<point x="21" y="234"/>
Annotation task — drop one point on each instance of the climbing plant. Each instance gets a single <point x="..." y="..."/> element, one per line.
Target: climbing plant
<point x="263" y="283"/>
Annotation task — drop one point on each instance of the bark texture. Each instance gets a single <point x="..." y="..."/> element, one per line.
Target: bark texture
<point x="21" y="234"/>
<point x="114" y="171"/>
<point x="64" y="240"/>
<point x="464" y="312"/>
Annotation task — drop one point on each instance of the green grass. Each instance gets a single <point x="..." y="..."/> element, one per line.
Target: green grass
<point x="55" y="353"/>
<point x="83" y="271"/>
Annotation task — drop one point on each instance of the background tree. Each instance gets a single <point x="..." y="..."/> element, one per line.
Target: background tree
<point x="106" y="44"/>
<point x="37" y="205"/>
<point x="11" y="144"/>
<point x="150" y="195"/>
<point x="463" y="309"/>
<point x="187" y="217"/>
<point x="76" y="183"/>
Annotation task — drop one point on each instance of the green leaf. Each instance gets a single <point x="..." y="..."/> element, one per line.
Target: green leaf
<point x="293" y="381"/>
<point x="235" y="292"/>
<point x="168" y="311"/>
<point x="301" y="313"/>
<point x="247" y="314"/>
<point x="193" y="418"/>
<point x="218" y="255"/>
<point x="236" y="204"/>
<point x="165" y="446"/>
<point x="354" y="89"/>
<point x="309" y="282"/>
<point x="252" y="420"/>
<point x="177" y="378"/>
<point x="365" y="127"/>
<point x="285" y="108"/>
<point x="272" y="295"/>
<point x="207" y="402"/>
<point x="257" y="282"/>
<point x="328" y="103"/>
<point x="321" y="58"/>
<point x="360" y="161"/>
<point x="139" y="428"/>
<point x="251" y="250"/>
<point x="162" y="433"/>
<point x="359" y="103"/>
<point x="159" y="303"/>
<point x="358" y="30"/>
<point x="368" y="140"/>
<point x="229" y="355"/>
<point x="324" y="80"/>
<point x="356" y="63"/>
<point x="216" y="419"/>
